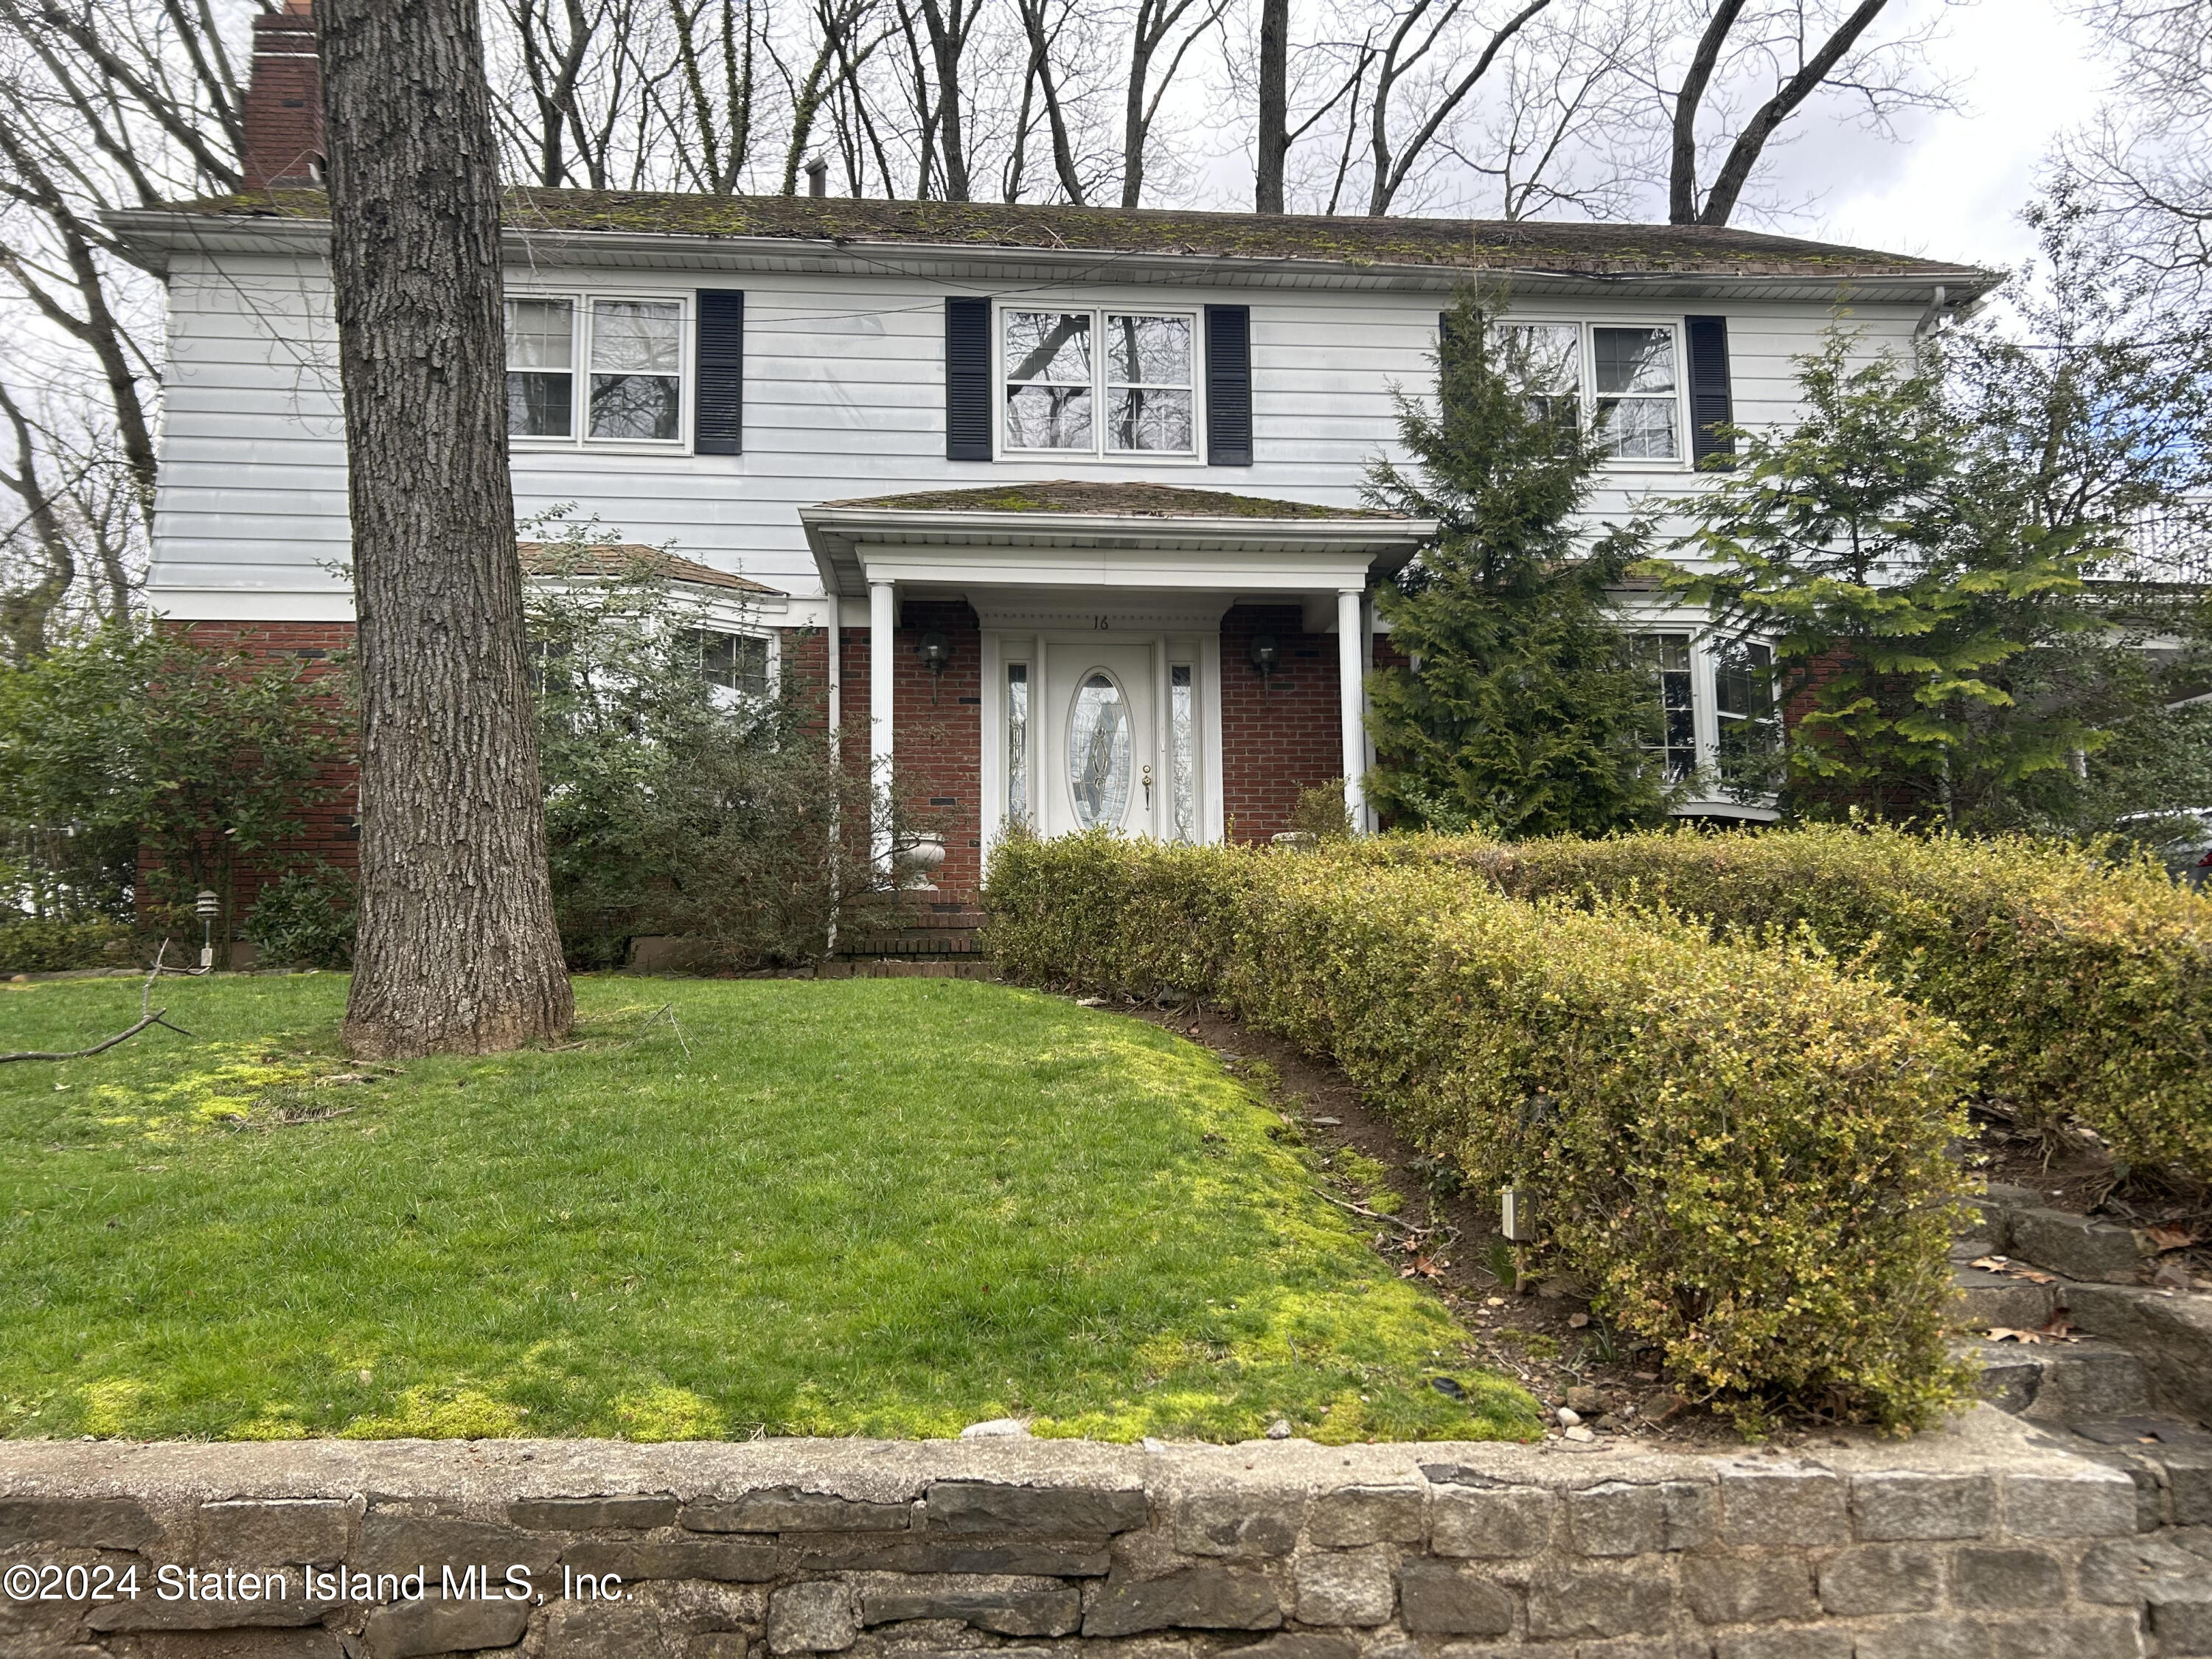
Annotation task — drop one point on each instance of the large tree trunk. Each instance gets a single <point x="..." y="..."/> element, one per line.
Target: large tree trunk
<point x="1274" y="145"/>
<point x="458" y="952"/>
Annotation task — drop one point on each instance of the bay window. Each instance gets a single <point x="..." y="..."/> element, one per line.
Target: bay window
<point x="1668" y="656"/>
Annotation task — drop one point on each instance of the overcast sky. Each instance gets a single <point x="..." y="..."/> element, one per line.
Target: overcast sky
<point x="1952" y="190"/>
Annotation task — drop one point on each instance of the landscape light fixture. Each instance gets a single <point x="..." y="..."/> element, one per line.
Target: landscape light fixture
<point x="207" y="907"/>
<point x="1516" y="1214"/>
<point x="1267" y="656"/>
<point x="936" y="653"/>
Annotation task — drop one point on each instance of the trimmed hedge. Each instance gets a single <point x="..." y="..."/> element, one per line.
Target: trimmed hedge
<point x="1743" y="1151"/>
<point x="2089" y="980"/>
<point x="32" y="945"/>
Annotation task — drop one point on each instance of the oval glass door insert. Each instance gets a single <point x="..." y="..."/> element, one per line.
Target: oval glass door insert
<point x="1098" y="752"/>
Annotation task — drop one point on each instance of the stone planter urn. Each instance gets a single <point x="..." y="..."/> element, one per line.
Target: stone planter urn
<point x="922" y="857"/>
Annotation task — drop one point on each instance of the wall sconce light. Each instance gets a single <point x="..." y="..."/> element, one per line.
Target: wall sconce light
<point x="936" y="653"/>
<point x="1267" y="656"/>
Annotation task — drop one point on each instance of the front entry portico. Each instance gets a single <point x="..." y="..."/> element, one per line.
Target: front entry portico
<point x="1103" y="678"/>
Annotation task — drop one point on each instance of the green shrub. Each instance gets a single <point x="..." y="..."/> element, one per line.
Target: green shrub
<point x="305" y="919"/>
<point x="34" y="945"/>
<point x="1743" y="1151"/>
<point x="2088" y="979"/>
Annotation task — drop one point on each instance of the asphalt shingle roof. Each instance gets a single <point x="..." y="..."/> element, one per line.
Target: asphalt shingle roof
<point x="1580" y="248"/>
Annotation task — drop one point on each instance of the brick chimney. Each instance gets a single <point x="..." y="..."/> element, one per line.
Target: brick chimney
<point x="283" y="113"/>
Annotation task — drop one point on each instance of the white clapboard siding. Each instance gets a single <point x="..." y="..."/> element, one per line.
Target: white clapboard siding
<point x="844" y="397"/>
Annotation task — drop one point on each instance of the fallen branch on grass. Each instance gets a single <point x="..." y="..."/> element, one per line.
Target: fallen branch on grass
<point x="145" y="1017"/>
<point x="667" y="1009"/>
<point x="1373" y="1215"/>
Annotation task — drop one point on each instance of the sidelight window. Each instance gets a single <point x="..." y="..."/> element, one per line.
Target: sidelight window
<point x="1017" y="743"/>
<point x="1183" y="759"/>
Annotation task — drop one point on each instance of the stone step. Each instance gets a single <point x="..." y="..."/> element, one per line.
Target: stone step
<point x="1982" y="1300"/>
<point x="2169" y="1462"/>
<point x="2059" y="1382"/>
<point x="2170" y="1331"/>
<point x="2097" y="1270"/>
<point x="2015" y="1221"/>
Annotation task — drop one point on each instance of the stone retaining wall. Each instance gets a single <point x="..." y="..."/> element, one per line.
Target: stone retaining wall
<point x="1978" y="1541"/>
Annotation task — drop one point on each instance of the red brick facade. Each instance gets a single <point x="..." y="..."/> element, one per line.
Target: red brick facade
<point x="331" y="831"/>
<point x="937" y="735"/>
<point x="282" y="117"/>
<point x="1280" y="735"/>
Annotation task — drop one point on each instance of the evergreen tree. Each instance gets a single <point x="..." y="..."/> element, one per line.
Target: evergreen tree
<point x="1941" y="552"/>
<point x="1525" y="710"/>
<point x="1849" y="544"/>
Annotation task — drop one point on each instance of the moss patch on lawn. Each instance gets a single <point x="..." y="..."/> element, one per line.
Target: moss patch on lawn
<point x="869" y="1206"/>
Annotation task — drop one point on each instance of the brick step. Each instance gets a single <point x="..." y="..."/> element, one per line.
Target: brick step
<point x="916" y="943"/>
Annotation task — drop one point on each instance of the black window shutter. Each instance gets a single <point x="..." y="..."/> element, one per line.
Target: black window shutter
<point x="1712" y="403"/>
<point x="718" y="400"/>
<point x="1229" y="385"/>
<point x="967" y="379"/>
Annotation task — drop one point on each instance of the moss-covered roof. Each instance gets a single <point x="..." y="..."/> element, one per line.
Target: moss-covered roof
<point x="1473" y="244"/>
<point x="627" y="561"/>
<point x="1134" y="501"/>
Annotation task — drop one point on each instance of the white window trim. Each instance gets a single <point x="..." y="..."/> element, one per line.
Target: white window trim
<point x="581" y="373"/>
<point x="1706" y="648"/>
<point x="1588" y="326"/>
<point x="772" y="669"/>
<point x="1098" y="454"/>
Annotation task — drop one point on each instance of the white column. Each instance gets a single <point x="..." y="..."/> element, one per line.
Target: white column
<point x="837" y="646"/>
<point x="1351" y="677"/>
<point x="883" y="651"/>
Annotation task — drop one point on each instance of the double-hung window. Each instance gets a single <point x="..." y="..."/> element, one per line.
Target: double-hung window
<point x="1668" y="658"/>
<point x="1625" y="380"/>
<point x="1545" y="360"/>
<point x="1097" y="382"/>
<point x="1750" y="727"/>
<point x="735" y="667"/>
<point x="1638" y="391"/>
<point x="592" y="369"/>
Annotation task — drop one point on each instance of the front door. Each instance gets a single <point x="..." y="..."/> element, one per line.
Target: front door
<point x="1100" y="753"/>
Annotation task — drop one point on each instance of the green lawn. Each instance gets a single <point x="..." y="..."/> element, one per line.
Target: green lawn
<point x="877" y="1207"/>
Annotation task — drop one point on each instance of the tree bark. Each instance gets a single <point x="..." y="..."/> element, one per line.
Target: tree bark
<point x="1274" y="146"/>
<point x="1682" y="169"/>
<point x="1720" y="204"/>
<point x="458" y="952"/>
<point x="1751" y="142"/>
